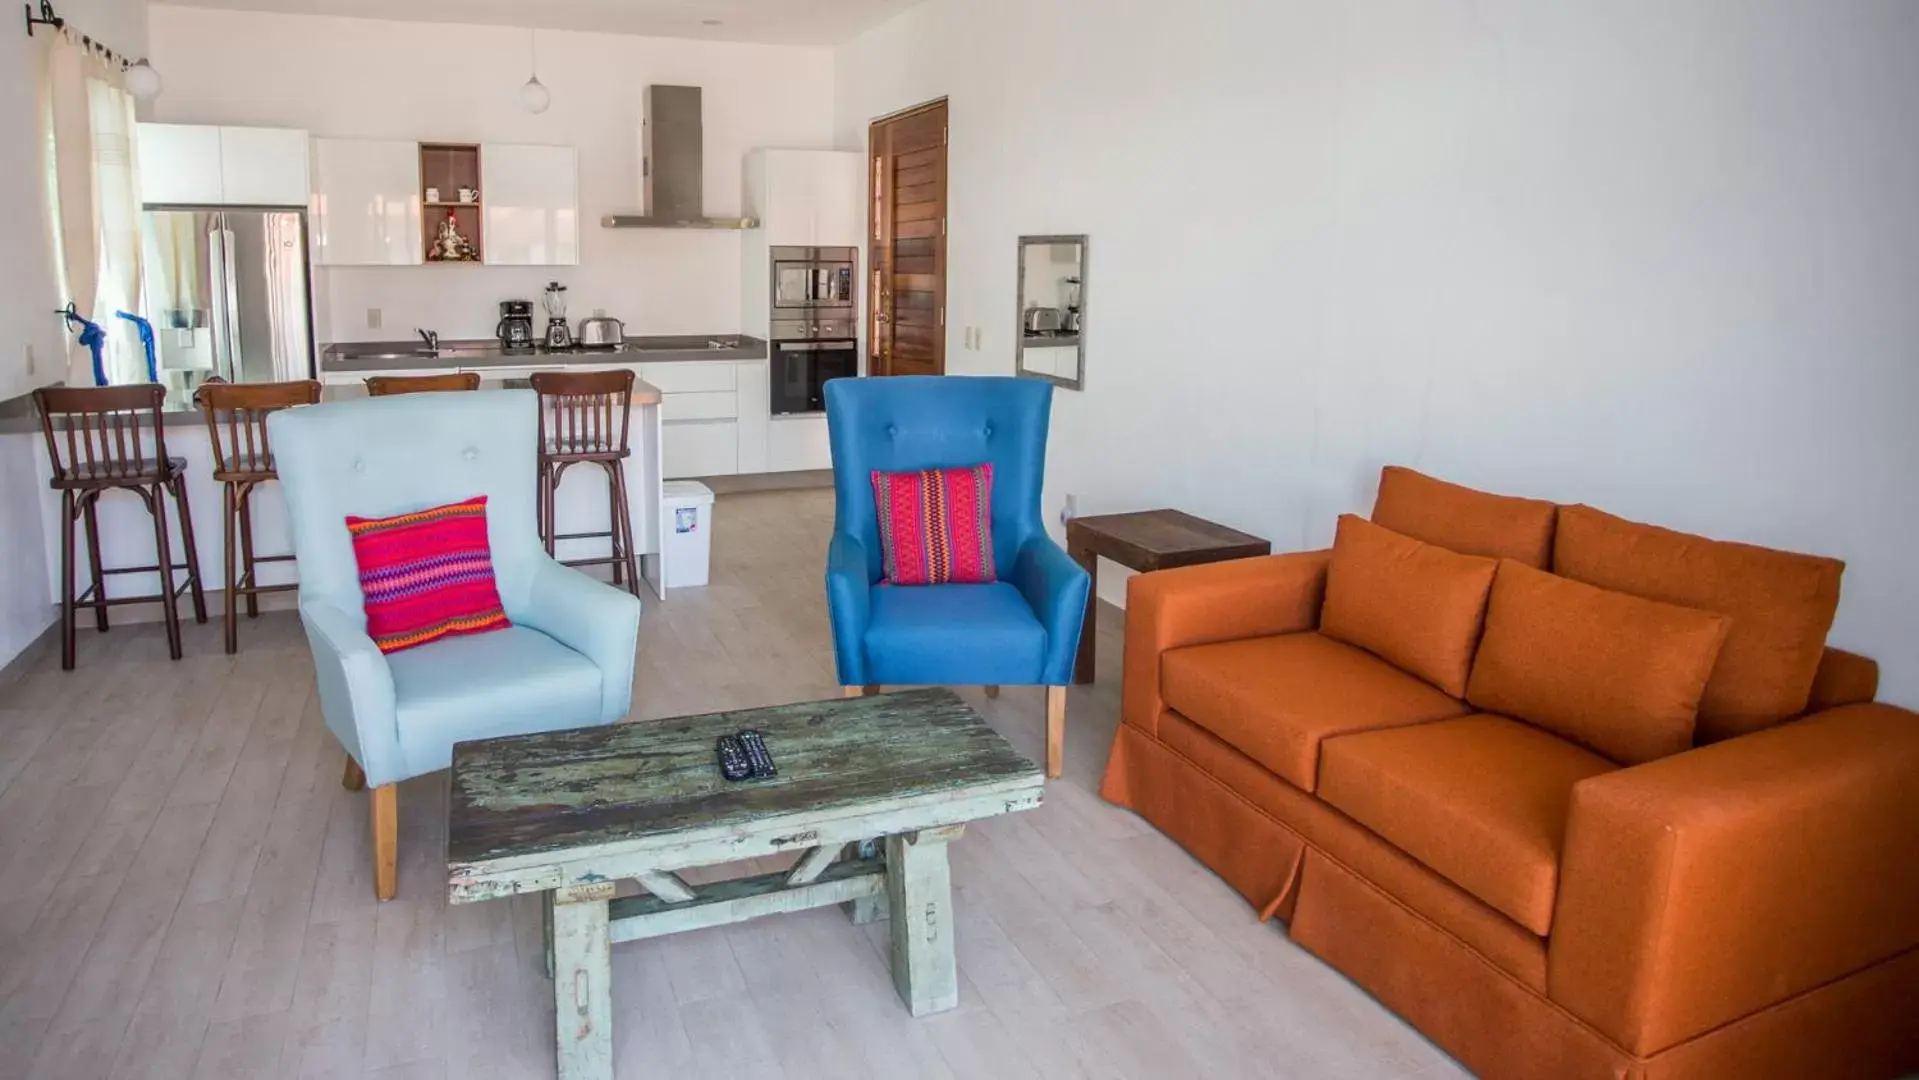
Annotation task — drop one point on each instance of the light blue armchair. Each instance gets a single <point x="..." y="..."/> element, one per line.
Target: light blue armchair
<point x="567" y="661"/>
<point x="1020" y="631"/>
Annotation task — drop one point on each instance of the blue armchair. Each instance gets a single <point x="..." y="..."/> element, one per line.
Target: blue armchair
<point x="1020" y="631"/>
<point x="567" y="661"/>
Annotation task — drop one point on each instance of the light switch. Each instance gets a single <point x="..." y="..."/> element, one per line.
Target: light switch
<point x="373" y="318"/>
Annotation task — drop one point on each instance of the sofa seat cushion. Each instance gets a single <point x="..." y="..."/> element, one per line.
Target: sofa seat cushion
<point x="953" y="635"/>
<point x="1481" y="800"/>
<point x="509" y="682"/>
<point x="1276" y="699"/>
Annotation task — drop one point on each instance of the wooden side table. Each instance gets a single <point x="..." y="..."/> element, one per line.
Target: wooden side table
<point x="1148" y="540"/>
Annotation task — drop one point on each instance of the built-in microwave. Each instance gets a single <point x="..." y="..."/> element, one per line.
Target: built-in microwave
<point x="800" y="370"/>
<point x="811" y="281"/>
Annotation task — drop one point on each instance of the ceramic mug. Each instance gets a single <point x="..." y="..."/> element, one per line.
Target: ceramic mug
<point x="432" y="194"/>
<point x="468" y="194"/>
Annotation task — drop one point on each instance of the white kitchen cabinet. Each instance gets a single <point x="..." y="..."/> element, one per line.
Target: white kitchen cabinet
<point x="202" y="165"/>
<point x="366" y="203"/>
<point x="690" y="448"/>
<point x="264" y="167"/>
<point x="532" y="200"/>
<point x="180" y="163"/>
<point x="807" y="198"/>
<point x="797" y="442"/>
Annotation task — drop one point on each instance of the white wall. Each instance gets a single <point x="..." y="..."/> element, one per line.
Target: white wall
<point x="1659" y="257"/>
<point x="358" y="78"/>
<point x="28" y="295"/>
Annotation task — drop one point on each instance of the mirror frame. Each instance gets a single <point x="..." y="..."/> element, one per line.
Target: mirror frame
<point x="1078" y="382"/>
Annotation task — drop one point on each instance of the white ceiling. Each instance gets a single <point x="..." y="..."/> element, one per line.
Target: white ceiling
<point x="781" y="22"/>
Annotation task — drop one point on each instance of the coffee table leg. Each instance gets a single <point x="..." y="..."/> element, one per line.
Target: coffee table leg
<point x="919" y="889"/>
<point x="1083" y="667"/>
<point x="582" y="989"/>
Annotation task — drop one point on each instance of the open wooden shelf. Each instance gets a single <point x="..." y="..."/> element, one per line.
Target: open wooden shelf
<point x="450" y="167"/>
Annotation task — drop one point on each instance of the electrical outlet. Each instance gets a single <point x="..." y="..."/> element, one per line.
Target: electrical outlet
<point x="374" y="317"/>
<point x="599" y="313"/>
<point x="1068" y="509"/>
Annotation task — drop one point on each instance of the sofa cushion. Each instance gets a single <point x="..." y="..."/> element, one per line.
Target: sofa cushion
<point x="959" y="635"/>
<point x="1414" y="604"/>
<point x="511" y="682"/>
<point x="1464" y="520"/>
<point x="1781" y="604"/>
<point x="1275" y="699"/>
<point x="1615" y="673"/>
<point x="1481" y="799"/>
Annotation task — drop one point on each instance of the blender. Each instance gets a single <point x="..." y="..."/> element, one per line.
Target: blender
<point x="558" y="336"/>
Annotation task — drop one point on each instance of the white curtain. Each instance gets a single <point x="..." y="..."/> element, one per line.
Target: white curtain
<point x="94" y="193"/>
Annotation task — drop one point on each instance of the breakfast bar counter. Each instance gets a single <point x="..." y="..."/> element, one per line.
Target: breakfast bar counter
<point x="126" y="530"/>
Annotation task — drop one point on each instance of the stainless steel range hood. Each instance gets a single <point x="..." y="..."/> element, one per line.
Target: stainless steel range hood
<point x="672" y="164"/>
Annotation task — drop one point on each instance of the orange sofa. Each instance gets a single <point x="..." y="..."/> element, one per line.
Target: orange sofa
<point x="1628" y="819"/>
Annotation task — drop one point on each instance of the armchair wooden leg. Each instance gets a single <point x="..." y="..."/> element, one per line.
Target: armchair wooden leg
<point x="861" y="691"/>
<point x="1055" y="729"/>
<point x="355" y="778"/>
<point x="992" y="692"/>
<point x="386" y="840"/>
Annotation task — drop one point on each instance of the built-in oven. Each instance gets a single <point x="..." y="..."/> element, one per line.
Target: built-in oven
<point x="813" y="283"/>
<point x="800" y="370"/>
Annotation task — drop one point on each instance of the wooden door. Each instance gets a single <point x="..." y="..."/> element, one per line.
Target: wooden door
<point x="906" y="330"/>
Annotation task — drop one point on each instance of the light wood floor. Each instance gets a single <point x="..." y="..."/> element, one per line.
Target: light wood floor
<point x="184" y="891"/>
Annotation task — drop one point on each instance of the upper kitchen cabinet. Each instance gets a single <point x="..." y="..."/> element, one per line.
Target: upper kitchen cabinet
<point x="532" y="200"/>
<point x="807" y="198"/>
<point x="202" y="165"/>
<point x="366" y="203"/>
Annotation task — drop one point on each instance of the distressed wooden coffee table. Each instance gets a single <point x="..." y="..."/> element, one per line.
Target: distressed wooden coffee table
<point x="571" y="813"/>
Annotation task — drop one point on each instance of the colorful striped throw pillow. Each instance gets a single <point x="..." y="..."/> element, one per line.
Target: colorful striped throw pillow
<point x="427" y="575"/>
<point x="936" y="525"/>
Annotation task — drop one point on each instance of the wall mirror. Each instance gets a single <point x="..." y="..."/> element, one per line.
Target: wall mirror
<point x="1052" y="309"/>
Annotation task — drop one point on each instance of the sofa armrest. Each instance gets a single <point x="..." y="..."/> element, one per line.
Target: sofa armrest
<point x="1055" y="587"/>
<point x="1843" y="679"/>
<point x="1702" y="887"/>
<point x="599" y="621"/>
<point x="849" y="603"/>
<point x="356" y="690"/>
<point x="1223" y="601"/>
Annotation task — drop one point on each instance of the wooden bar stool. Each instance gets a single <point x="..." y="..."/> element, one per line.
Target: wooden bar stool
<point x="95" y="445"/>
<point x="384" y="385"/>
<point x="583" y="418"/>
<point x="236" y="418"/>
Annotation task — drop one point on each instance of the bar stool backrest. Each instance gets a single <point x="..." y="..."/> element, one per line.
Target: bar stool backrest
<point x="388" y="385"/>
<point x="584" y="414"/>
<point x="94" y="433"/>
<point x="236" y="415"/>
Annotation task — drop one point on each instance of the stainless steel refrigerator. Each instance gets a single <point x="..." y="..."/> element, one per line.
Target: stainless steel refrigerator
<point x="228" y="294"/>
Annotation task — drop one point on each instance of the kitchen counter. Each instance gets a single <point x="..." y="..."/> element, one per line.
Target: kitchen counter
<point x="388" y="356"/>
<point x="17" y="415"/>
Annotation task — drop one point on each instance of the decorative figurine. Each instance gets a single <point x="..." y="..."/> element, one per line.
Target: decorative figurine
<point x="450" y="245"/>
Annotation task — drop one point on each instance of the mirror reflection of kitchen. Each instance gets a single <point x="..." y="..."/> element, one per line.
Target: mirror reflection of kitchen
<point x="1052" y="281"/>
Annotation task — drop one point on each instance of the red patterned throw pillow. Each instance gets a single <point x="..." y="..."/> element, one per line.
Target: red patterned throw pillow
<point x="427" y="575"/>
<point x="936" y="525"/>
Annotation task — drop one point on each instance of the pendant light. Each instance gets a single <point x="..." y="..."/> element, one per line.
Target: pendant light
<point x="534" y="96"/>
<point x="142" y="81"/>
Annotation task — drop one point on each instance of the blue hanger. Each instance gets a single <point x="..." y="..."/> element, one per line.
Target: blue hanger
<point x="146" y="342"/>
<point x="92" y="337"/>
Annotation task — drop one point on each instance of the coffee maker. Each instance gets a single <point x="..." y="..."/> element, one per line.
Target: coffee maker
<point x="516" y="324"/>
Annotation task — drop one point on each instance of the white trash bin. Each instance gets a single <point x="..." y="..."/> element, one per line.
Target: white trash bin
<point x="686" y="530"/>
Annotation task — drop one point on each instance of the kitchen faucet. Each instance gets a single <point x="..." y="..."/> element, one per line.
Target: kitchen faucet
<point x="431" y="337"/>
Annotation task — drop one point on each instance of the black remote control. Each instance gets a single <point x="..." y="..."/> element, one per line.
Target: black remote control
<point x="756" y="753"/>
<point x="734" y="763"/>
